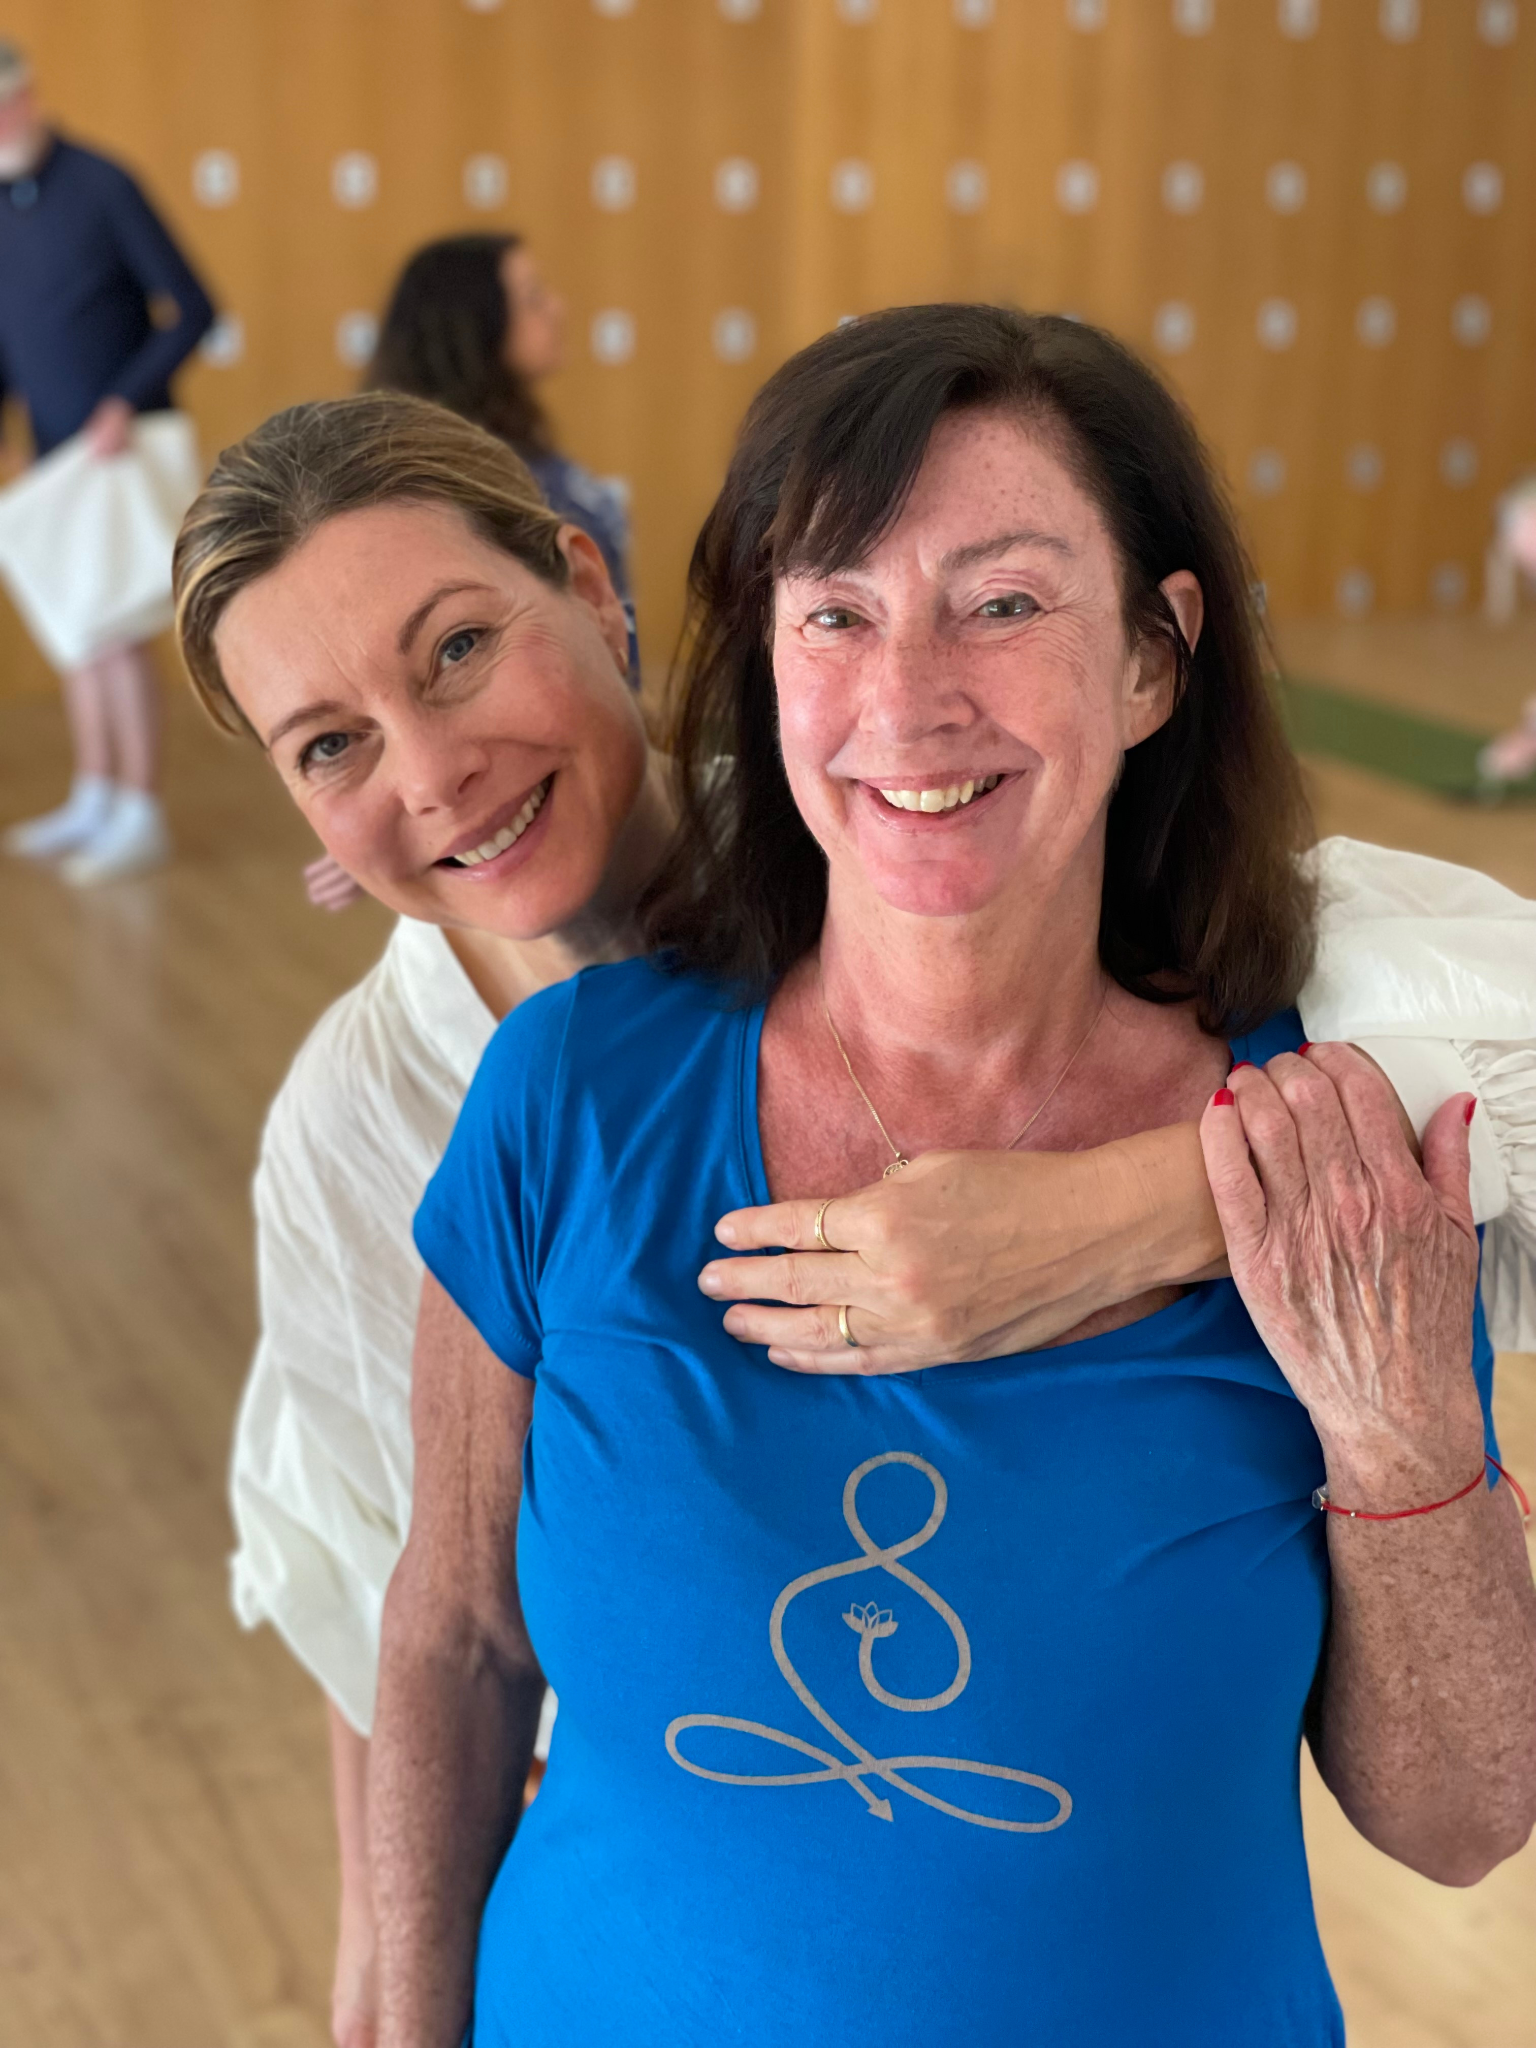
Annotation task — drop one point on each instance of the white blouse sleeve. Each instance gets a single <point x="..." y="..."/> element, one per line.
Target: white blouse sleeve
<point x="316" y="1507"/>
<point x="1431" y="969"/>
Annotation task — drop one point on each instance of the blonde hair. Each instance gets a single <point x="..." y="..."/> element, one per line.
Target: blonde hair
<point x="269" y="493"/>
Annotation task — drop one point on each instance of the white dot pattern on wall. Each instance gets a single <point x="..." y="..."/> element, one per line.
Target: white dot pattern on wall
<point x="482" y="6"/>
<point x="1498" y="22"/>
<point x="1173" y="327"/>
<point x="613" y="336"/>
<point x="1399" y="20"/>
<point x="1194" y="17"/>
<point x="224" y="344"/>
<point x="853" y="185"/>
<point x="734" y="335"/>
<point x="614" y="10"/>
<point x="1276" y="323"/>
<point x="741" y="10"/>
<point x="1297" y="19"/>
<point x="1448" y="584"/>
<point x="1266" y="472"/>
<point x="1471" y="320"/>
<point x="1285" y="187"/>
<point x="216" y="178"/>
<point x="857" y="12"/>
<point x="614" y="184"/>
<point x="1376" y="321"/>
<point x="1087" y="16"/>
<point x="1482" y="188"/>
<point x="1364" y="467"/>
<point x="1458" y="462"/>
<point x="965" y="186"/>
<point x="354" y="179"/>
<point x="356" y="336"/>
<point x="1077" y="186"/>
<point x="1386" y="187"/>
<point x="975" y="13"/>
<point x="736" y="185"/>
<point x="1355" y="593"/>
<point x="485" y="181"/>
<point x="1183" y="187"/>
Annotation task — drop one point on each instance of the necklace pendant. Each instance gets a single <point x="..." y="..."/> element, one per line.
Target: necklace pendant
<point x="896" y="1165"/>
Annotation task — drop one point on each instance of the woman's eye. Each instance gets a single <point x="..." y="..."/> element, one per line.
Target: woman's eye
<point x="321" y="752"/>
<point x="1014" y="606"/>
<point x="835" y="618"/>
<point x="458" y="646"/>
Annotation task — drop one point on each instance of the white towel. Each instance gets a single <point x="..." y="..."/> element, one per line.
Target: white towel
<point x="85" y="544"/>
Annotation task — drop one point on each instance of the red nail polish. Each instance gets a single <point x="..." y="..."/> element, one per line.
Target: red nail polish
<point x="1223" y="1099"/>
<point x="1304" y="1047"/>
<point x="1241" y="1063"/>
<point x="1471" y="1110"/>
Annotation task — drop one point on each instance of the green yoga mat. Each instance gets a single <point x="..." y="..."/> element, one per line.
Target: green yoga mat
<point x="1368" y="734"/>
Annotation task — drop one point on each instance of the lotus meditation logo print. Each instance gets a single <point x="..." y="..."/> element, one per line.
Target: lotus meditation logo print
<point x="864" y="1773"/>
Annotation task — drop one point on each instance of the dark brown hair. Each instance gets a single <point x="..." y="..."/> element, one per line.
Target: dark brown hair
<point x="444" y="337"/>
<point x="268" y="493"/>
<point x="1202" y="894"/>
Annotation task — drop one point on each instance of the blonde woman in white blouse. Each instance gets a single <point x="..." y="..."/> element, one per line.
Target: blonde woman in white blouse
<point x="1432" y="969"/>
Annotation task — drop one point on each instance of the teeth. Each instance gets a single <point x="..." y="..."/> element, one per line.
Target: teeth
<point x="947" y="798"/>
<point x="509" y="834"/>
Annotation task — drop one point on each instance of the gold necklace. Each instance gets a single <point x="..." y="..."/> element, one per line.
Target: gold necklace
<point x="898" y="1158"/>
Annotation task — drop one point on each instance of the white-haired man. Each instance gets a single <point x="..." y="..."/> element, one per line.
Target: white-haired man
<point x="98" y="309"/>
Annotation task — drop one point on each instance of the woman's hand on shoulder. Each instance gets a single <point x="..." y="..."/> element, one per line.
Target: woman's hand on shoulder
<point x="328" y="885"/>
<point x="1357" y="1264"/>
<point x="965" y="1255"/>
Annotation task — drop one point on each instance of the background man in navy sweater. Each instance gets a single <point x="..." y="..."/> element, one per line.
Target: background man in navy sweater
<point x="98" y="308"/>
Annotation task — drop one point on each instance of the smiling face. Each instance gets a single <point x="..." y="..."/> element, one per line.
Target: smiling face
<point x="458" y="732"/>
<point x="953" y="711"/>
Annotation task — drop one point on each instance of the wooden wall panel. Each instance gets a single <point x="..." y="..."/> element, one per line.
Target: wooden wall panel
<point x="900" y="149"/>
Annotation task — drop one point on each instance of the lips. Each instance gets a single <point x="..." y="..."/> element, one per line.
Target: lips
<point x="504" y="835"/>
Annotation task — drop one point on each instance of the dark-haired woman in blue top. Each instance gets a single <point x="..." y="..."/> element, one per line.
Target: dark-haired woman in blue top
<point x="963" y="1706"/>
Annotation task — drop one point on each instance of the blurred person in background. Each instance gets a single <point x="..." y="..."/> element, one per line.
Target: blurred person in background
<point x="98" y="309"/>
<point x="473" y="325"/>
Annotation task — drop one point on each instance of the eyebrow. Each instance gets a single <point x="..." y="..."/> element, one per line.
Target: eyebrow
<point x="984" y="550"/>
<point x="301" y="717"/>
<point x="414" y="623"/>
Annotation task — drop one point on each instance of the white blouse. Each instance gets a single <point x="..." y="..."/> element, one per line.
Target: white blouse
<point x="1430" y="967"/>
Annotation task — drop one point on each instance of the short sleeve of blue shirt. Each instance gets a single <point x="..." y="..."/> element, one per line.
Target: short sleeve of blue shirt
<point x="478" y="1225"/>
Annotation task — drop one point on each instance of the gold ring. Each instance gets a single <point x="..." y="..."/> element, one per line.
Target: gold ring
<point x="821" y="1235"/>
<point x="842" y="1323"/>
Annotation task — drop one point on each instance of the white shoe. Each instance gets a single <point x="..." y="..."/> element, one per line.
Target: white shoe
<point x="133" y="840"/>
<point x="67" y="829"/>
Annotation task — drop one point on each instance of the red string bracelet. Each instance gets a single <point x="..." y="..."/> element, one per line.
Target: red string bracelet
<point x="1320" y="1499"/>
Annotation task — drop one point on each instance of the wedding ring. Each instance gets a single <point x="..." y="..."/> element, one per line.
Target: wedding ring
<point x="842" y="1323"/>
<point x="821" y="1235"/>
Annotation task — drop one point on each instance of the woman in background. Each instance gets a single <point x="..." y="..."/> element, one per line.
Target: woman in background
<point x="473" y="325"/>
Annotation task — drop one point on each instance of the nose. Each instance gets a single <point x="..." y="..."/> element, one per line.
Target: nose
<point x="437" y="766"/>
<point x="915" y="686"/>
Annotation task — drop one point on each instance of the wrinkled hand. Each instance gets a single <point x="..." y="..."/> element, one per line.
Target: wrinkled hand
<point x="1358" y="1267"/>
<point x="962" y="1255"/>
<point x="328" y="885"/>
<point x="109" y="430"/>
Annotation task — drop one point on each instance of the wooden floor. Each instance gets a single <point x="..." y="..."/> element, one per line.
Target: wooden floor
<point x="166" y="1868"/>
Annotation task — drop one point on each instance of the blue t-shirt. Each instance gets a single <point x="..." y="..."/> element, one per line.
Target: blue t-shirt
<point x="962" y="1707"/>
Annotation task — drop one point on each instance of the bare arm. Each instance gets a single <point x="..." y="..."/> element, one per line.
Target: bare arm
<point x="459" y="1685"/>
<point x="1359" y="1270"/>
<point x="972" y="1254"/>
<point x="354" y="1988"/>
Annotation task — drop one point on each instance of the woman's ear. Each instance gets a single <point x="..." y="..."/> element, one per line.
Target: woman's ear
<point x="1155" y="671"/>
<point x="592" y="586"/>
